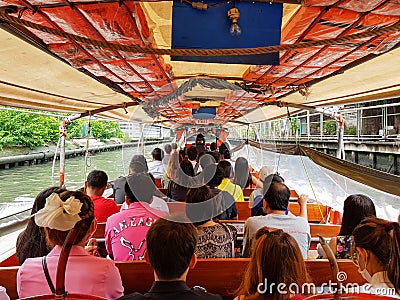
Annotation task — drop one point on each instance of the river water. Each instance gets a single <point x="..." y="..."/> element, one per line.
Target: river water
<point x="20" y="185"/>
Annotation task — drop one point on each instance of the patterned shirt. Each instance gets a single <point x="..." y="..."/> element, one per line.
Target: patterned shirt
<point x="214" y="241"/>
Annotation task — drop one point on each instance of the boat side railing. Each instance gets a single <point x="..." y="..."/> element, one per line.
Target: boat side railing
<point x="13" y="222"/>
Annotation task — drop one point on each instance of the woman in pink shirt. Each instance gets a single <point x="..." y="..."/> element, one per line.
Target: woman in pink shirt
<point x="85" y="274"/>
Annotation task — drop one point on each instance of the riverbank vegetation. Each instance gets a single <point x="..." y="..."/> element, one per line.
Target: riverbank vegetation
<point x="35" y="130"/>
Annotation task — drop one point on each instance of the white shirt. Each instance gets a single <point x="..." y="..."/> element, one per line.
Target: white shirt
<point x="380" y="285"/>
<point x="156" y="168"/>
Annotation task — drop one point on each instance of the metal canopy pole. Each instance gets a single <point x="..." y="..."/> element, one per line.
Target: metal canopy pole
<point x="340" y="152"/>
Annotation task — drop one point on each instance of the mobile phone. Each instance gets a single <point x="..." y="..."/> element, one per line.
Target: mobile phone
<point x="343" y="246"/>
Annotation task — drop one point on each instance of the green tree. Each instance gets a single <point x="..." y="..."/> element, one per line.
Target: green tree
<point x="32" y="130"/>
<point x="74" y="130"/>
<point x="24" y="129"/>
<point x="330" y="127"/>
<point x="106" y="129"/>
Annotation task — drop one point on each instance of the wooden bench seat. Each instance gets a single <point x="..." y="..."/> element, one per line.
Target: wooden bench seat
<point x="220" y="276"/>
<point x="313" y="210"/>
<point x="325" y="230"/>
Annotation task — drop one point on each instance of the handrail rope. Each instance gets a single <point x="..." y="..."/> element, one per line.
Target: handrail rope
<point x="305" y="170"/>
<point x="53" y="166"/>
<point x="87" y="151"/>
<point x="199" y="52"/>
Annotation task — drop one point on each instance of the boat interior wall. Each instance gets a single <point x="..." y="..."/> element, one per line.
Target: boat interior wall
<point x="109" y="78"/>
<point x="326" y="179"/>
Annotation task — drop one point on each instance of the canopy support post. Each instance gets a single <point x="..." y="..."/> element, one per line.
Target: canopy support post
<point x="63" y="134"/>
<point x="340" y="152"/>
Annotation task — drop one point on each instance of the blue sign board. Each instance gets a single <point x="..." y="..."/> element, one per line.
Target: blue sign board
<point x="260" y="24"/>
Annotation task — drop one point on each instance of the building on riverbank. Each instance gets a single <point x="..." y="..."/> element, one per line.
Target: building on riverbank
<point x="137" y="130"/>
<point x="371" y="133"/>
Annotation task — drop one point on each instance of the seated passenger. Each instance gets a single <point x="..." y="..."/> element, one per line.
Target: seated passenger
<point x="377" y="255"/>
<point x="137" y="164"/>
<point x="96" y="184"/>
<point x="174" y="148"/>
<point x="215" y="240"/>
<point x="225" y="154"/>
<point x="276" y="259"/>
<point x="156" y="167"/>
<point x="242" y="175"/>
<point x="167" y="150"/>
<point x="227" y="185"/>
<point x="200" y="143"/>
<point x="192" y="156"/>
<point x="355" y="209"/>
<point x="212" y="176"/>
<point x="276" y="201"/>
<point x="256" y="197"/>
<point x="213" y="146"/>
<point x="207" y="159"/>
<point x="125" y="233"/>
<point x="32" y="241"/>
<point x="170" y="252"/>
<point x="85" y="274"/>
<point x="177" y="188"/>
<point x="157" y="201"/>
<point x="171" y="170"/>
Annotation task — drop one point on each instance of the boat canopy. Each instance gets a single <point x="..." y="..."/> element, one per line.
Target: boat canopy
<point x="87" y="57"/>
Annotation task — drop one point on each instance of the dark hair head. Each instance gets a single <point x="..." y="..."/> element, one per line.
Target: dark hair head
<point x="200" y="139"/>
<point x="168" y="148"/>
<point x="213" y="146"/>
<point x="137" y="167"/>
<point x="187" y="167"/>
<point x="32" y="241"/>
<point x="277" y="196"/>
<point x="157" y="154"/>
<point x="216" y="156"/>
<point x="356" y="208"/>
<point x="212" y="175"/>
<point x="170" y="247"/>
<point x="57" y="237"/>
<point x="97" y="179"/>
<point x="198" y="195"/>
<point x="241" y="172"/>
<point x="185" y="174"/>
<point x="139" y="187"/>
<point x="200" y="215"/>
<point x="174" y="146"/>
<point x="382" y="238"/>
<point x="226" y="154"/>
<point x="287" y="266"/>
<point x="138" y="158"/>
<point x="269" y="179"/>
<point x="226" y="168"/>
<point x="206" y="159"/>
<point x="182" y="155"/>
<point x="191" y="153"/>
